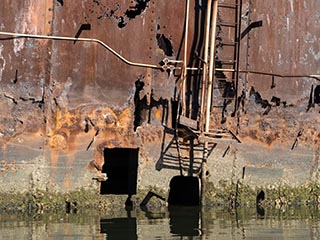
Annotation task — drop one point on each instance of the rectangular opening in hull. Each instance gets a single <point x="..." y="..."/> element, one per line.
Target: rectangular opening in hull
<point x="121" y="166"/>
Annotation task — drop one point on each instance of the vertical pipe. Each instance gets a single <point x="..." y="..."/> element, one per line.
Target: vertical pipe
<point x="205" y="64"/>
<point x="212" y="62"/>
<point x="209" y="93"/>
<point x="237" y="52"/>
<point x="184" y="71"/>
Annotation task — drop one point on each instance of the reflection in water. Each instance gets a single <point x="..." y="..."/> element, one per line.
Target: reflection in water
<point x="169" y="223"/>
<point x="184" y="221"/>
<point x="119" y="228"/>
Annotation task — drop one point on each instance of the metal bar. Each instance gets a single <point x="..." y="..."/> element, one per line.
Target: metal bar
<point x="205" y="64"/>
<point x="212" y="62"/>
<point x="317" y="76"/>
<point x="237" y="52"/>
<point x="19" y="35"/>
<point x="209" y="94"/>
<point x="228" y="5"/>
<point x="184" y="70"/>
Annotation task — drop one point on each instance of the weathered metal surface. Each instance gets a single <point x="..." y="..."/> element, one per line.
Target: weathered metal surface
<point x="288" y="42"/>
<point x="277" y="113"/>
<point x="72" y="99"/>
<point x="63" y="102"/>
<point x="24" y="75"/>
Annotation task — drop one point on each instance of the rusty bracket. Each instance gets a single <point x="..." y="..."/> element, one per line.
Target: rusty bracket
<point x="170" y="64"/>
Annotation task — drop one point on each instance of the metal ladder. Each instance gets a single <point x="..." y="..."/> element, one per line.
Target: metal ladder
<point x="226" y="74"/>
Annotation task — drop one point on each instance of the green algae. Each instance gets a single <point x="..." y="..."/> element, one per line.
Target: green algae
<point x="224" y="195"/>
<point x="238" y="194"/>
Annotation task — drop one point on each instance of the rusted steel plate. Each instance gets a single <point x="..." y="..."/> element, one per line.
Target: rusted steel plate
<point x="75" y="98"/>
<point x="287" y="43"/>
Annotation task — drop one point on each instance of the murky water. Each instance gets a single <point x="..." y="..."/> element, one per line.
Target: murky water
<point x="172" y="223"/>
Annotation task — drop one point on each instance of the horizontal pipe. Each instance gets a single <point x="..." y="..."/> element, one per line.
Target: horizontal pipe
<point x="270" y="74"/>
<point x="19" y="35"/>
<point x="280" y="75"/>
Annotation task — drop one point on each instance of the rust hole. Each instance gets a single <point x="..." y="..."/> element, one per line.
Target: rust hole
<point x="136" y="10"/>
<point x="165" y="44"/>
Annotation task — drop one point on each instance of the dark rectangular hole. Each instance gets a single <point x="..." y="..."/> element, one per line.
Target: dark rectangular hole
<point x="121" y="167"/>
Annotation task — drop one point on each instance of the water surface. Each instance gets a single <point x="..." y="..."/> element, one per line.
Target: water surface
<point x="168" y="223"/>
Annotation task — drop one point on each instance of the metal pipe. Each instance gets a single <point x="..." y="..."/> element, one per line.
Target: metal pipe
<point x="184" y="71"/>
<point x="209" y="93"/>
<point x="19" y="35"/>
<point x="205" y="64"/>
<point x="212" y="62"/>
<point x="317" y="76"/>
<point x="237" y="51"/>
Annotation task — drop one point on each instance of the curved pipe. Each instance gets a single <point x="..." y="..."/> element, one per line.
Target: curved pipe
<point x="19" y="35"/>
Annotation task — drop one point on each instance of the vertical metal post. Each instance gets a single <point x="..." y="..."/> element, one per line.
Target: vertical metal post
<point x="237" y="51"/>
<point x="212" y="62"/>
<point x="235" y="73"/>
<point x="205" y="65"/>
<point x="185" y="64"/>
<point x="209" y="94"/>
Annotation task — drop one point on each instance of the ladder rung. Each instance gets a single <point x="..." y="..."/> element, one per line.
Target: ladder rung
<point x="224" y="79"/>
<point x="221" y="135"/>
<point x="226" y="70"/>
<point x="228" y="5"/>
<point x="227" y="62"/>
<point x="226" y="24"/>
<point x="231" y="44"/>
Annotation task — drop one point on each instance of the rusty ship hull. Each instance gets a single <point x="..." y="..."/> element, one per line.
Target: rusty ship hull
<point x="68" y="107"/>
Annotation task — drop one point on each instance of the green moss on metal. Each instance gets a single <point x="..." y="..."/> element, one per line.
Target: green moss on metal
<point x="224" y="195"/>
<point x="237" y="194"/>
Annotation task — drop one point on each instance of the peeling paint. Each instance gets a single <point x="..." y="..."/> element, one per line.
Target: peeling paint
<point x="2" y="62"/>
<point x="309" y="38"/>
<point x="315" y="54"/>
<point x="268" y="19"/>
<point x="21" y="27"/>
<point x="291" y="6"/>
